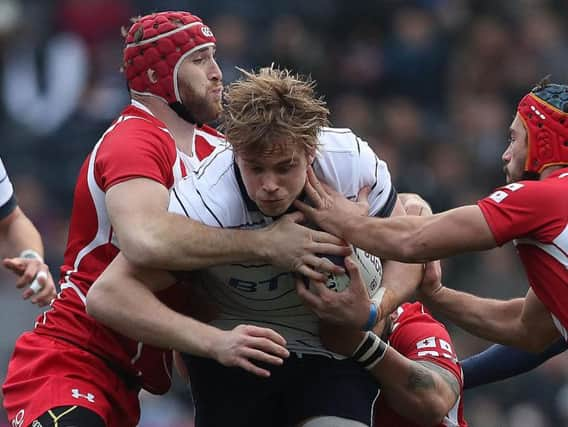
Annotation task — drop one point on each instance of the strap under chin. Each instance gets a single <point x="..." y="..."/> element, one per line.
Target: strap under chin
<point x="184" y="113"/>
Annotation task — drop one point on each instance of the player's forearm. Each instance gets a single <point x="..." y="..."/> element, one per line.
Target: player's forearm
<point x="400" y="281"/>
<point x="421" y="238"/>
<point x="17" y="233"/>
<point x="135" y="311"/>
<point x="174" y="242"/>
<point x="494" y="320"/>
<point x="413" y="390"/>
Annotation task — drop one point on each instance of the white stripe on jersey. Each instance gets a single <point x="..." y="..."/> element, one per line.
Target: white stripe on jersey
<point x="70" y="285"/>
<point x="98" y="196"/>
<point x="259" y="293"/>
<point x="6" y="188"/>
<point x="558" y="249"/>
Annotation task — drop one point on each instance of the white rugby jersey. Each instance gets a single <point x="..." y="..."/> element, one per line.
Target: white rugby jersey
<point x="261" y="294"/>
<point x="7" y="198"/>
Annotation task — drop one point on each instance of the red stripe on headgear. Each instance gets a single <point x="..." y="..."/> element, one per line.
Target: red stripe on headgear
<point x="547" y="133"/>
<point x="160" y="42"/>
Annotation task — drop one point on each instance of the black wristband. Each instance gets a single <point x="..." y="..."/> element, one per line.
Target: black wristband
<point x="370" y="351"/>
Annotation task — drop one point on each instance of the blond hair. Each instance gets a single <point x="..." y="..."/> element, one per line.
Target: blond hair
<point x="273" y="107"/>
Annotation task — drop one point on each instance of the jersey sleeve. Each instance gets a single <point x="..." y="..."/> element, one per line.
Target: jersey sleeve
<point x="428" y="340"/>
<point x="7" y="198"/>
<point x="134" y="151"/>
<point x="374" y="173"/>
<point x="187" y="200"/>
<point x="517" y="210"/>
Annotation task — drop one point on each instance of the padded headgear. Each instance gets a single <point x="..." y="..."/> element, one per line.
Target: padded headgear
<point x="544" y="112"/>
<point x="161" y="41"/>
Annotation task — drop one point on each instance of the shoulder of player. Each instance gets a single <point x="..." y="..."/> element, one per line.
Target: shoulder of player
<point x="338" y="140"/>
<point x="409" y="313"/>
<point x="544" y="190"/>
<point x="211" y="135"/>
<point x="137" y="129"/>
<point x="215" y="186"/>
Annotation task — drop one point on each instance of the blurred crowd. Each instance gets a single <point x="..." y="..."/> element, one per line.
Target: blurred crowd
<point x="431" y="84"/>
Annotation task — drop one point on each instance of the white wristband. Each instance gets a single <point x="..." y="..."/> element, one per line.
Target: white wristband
<point x="30" y="254"/>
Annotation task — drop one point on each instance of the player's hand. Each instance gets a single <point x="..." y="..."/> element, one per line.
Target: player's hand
<point x="246" y="345"/>
<point x="431" y="282"/>
<point x="348" y="308"/>
<point x="414" y="204"/>
<point x="330" y="209"/>
<point x="29" y="271"/>
<point x="295" y="247"/>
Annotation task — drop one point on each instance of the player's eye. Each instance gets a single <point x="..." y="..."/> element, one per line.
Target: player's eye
<point x="286" y="168"/>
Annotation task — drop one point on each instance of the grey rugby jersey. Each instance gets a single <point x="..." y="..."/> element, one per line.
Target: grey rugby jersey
<point x="261" y="294"/>
<point x="7" y="198"/>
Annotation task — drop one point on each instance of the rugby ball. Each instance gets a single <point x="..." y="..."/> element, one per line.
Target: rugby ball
<point x="369" y="265"/>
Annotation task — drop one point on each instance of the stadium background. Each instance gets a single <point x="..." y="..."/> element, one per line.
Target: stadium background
<point x="431" y="84"/>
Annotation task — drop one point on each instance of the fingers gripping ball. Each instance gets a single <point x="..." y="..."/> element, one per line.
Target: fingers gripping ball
<point x="369" y="265"/>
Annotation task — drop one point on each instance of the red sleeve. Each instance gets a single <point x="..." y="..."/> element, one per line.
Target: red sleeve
<point x="133" y="149"/>
<point x="423" y="338"/>
<point x="517" y="210"/>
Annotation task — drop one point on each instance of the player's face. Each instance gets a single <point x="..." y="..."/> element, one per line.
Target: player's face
<point x="273" y="181"/>
<point x="200" y="85"/>
<point x="516" y="153"/>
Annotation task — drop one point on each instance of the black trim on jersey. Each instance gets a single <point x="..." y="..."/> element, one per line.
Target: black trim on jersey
<point x="388" y="207"/>
<point x="202" y="201"/>
<point x="8" y="207"/>
<point x="180" y="203"/>
<point x="251" y="206"/>
<point x="376" y="174"/>
<point x="208" y="208"/>
<point x="358" y="146"/>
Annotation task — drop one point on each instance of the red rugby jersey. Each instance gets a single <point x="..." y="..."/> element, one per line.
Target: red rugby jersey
<point x="136" y="145"/>
<point x="418" y="336"/>
<point x="534" y="214"/>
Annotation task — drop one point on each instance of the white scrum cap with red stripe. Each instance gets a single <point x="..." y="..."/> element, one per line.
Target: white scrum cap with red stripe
<point x="161" y="41"/>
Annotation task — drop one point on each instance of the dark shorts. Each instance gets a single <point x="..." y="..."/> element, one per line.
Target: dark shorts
<point x="46" y="373"/>
<point x="70" y="416"/>
<point x="302" y="388"/>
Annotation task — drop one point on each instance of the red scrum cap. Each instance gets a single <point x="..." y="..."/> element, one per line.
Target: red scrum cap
<point x="161" y="41"/>
<point x="544" y="112"/>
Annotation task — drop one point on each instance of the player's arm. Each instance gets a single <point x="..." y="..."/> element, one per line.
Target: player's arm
<point x="399" y="280"/>
<point x="123" y="298"/>
<point x="419" y="390"/>
<point x="150" y="236"/>
<point x="500" y="362"/>
<point x="524" y="323"/>
<point x="408" y="238"/>
<point x="22" y="243"/>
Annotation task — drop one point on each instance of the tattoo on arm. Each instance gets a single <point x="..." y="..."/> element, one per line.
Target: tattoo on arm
<point x="446" y="375"/>
<point x="420" y="378"/>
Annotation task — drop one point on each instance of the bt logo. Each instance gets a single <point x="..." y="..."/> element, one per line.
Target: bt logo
<point x="270" y="284"/>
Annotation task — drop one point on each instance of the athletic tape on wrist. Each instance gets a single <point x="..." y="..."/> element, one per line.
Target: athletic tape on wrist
<point x="373" y="316"/>
<point x="370" y="351"/>
<point x="30" y="254"/>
